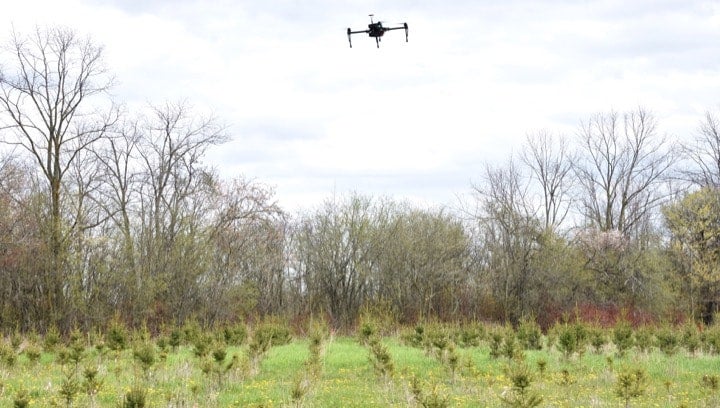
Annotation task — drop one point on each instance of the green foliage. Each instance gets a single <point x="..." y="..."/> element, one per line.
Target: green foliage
<point x="690" y="337"/>
<point x="22" y="399"/>
<point x="520" y="396"/>
<point x="33" y="353"/>
<point x="571" y="338"/>
<point x="117" y="336"/>
<point x="711" y="382"/>
<point x="469" y="335"/>
<point x="429" y="396"/>
<point x="631" y="383"/>
<point x="413" y="337"/>
<point x="318" y="335"/>
<point x="135" y="398"/>
<point x="667" y="340"/>
<point x="146" y="355"/>
<point x="192" y="332"/>
<point x="71" y="355"/>
<point x="367" y="330"/>
<point x="510" y="347"/>
<point x="69" y="388"/>
<point x="598" y="338"/>
<point x="235" y="335"/>
<point x="91" y="382"/>
<point x="218" y="365"/>
<point x="495" y="342"/>
<point x="644" y="337"/>
<point x="300" y="387"/>
<point x="8" y="357"/>
<point x="542" y="366"/>
<point x="202" y="344"/>
<point x="51" y="339"/>
<point x="380" y="358"/>
<point x="529" y="334"/>
<point x="272" y="333"/>
<point x="623" y="337"/>
<point x="710" y="339"/>
<point x="16" y="340"/>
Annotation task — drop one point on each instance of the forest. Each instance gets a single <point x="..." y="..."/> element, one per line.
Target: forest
<point x="109" y="215"/>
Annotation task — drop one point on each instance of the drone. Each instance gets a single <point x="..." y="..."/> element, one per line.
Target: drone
<point x="377" y="30"/>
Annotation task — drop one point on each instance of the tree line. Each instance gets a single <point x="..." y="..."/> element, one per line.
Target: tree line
<point x="108" y="214"/>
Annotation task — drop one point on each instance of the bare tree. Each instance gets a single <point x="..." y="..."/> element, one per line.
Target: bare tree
<point x="704" y="153"/>
<point x="507" y="233"/>
<point x="47" y="107"/>
<point x="620" y="169"/>
<point x="247" y="237"/>
<point x="337" y="254"/>
<point x="175" y="188"/>
<point x="550" y="162"/>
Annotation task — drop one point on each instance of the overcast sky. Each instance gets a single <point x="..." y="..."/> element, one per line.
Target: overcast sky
<point x="418" y="120"/>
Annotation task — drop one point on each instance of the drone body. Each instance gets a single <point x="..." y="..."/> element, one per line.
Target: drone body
<point x="377" y="30"/>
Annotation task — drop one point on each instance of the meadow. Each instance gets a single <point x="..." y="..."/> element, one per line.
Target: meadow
<point x="430" y="365"/>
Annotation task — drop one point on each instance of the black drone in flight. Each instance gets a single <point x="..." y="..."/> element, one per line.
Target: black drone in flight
<point x="377" y="30"/>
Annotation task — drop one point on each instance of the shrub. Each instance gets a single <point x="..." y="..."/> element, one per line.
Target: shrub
<point x="368" y="329"/>
<point x="51" y="339"/>
<point x="381" y="358"/>
<point x="690" y="338"/>
<point x="274" y="334"/>
<point x="7" y="354"/>
<point x="644" y="338"/>
<point x="567" y="341"/>
<point x="117" y="336"/>
<point x="520" y="395"/>
<point x="91" y="383"/>
<point x="22" y="399"/>
<point x="623" y="337"/>
<point x="667" y="340"/>
<point x="510" y="346"/>
<point x="33" y="353"/>
<point x="711" y="382"/>
<point x="630" y="384"/>
<point x="496" y="341"/>
<point x="235" y="335"/>
<point x="469" y="335"/>
<point x="135" y="398"/>
<point x="529" y="335"/>
<point x="414" y="337"/>
<point x="432" y="398"/>
<point x="146" y="355"/>
<point x="202" y="345"/>
<point x="598" y="338"/>
<point x="191" y="331"/>
<point x="175" y="338"/>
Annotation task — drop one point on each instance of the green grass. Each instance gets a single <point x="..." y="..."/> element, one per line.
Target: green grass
<point x="347" y="378"/>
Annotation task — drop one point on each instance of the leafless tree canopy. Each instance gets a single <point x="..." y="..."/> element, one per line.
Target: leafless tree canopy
<point x="704" y="154"/>
<point x="620" y="169"/>
<point x="550" y="162"/>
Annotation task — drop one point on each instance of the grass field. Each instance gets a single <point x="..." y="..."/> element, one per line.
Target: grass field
<point x="347" y="373"/>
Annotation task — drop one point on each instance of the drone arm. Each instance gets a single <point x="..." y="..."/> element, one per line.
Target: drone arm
<point x="351" y="32"/>
<point x="402" y="27"/>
